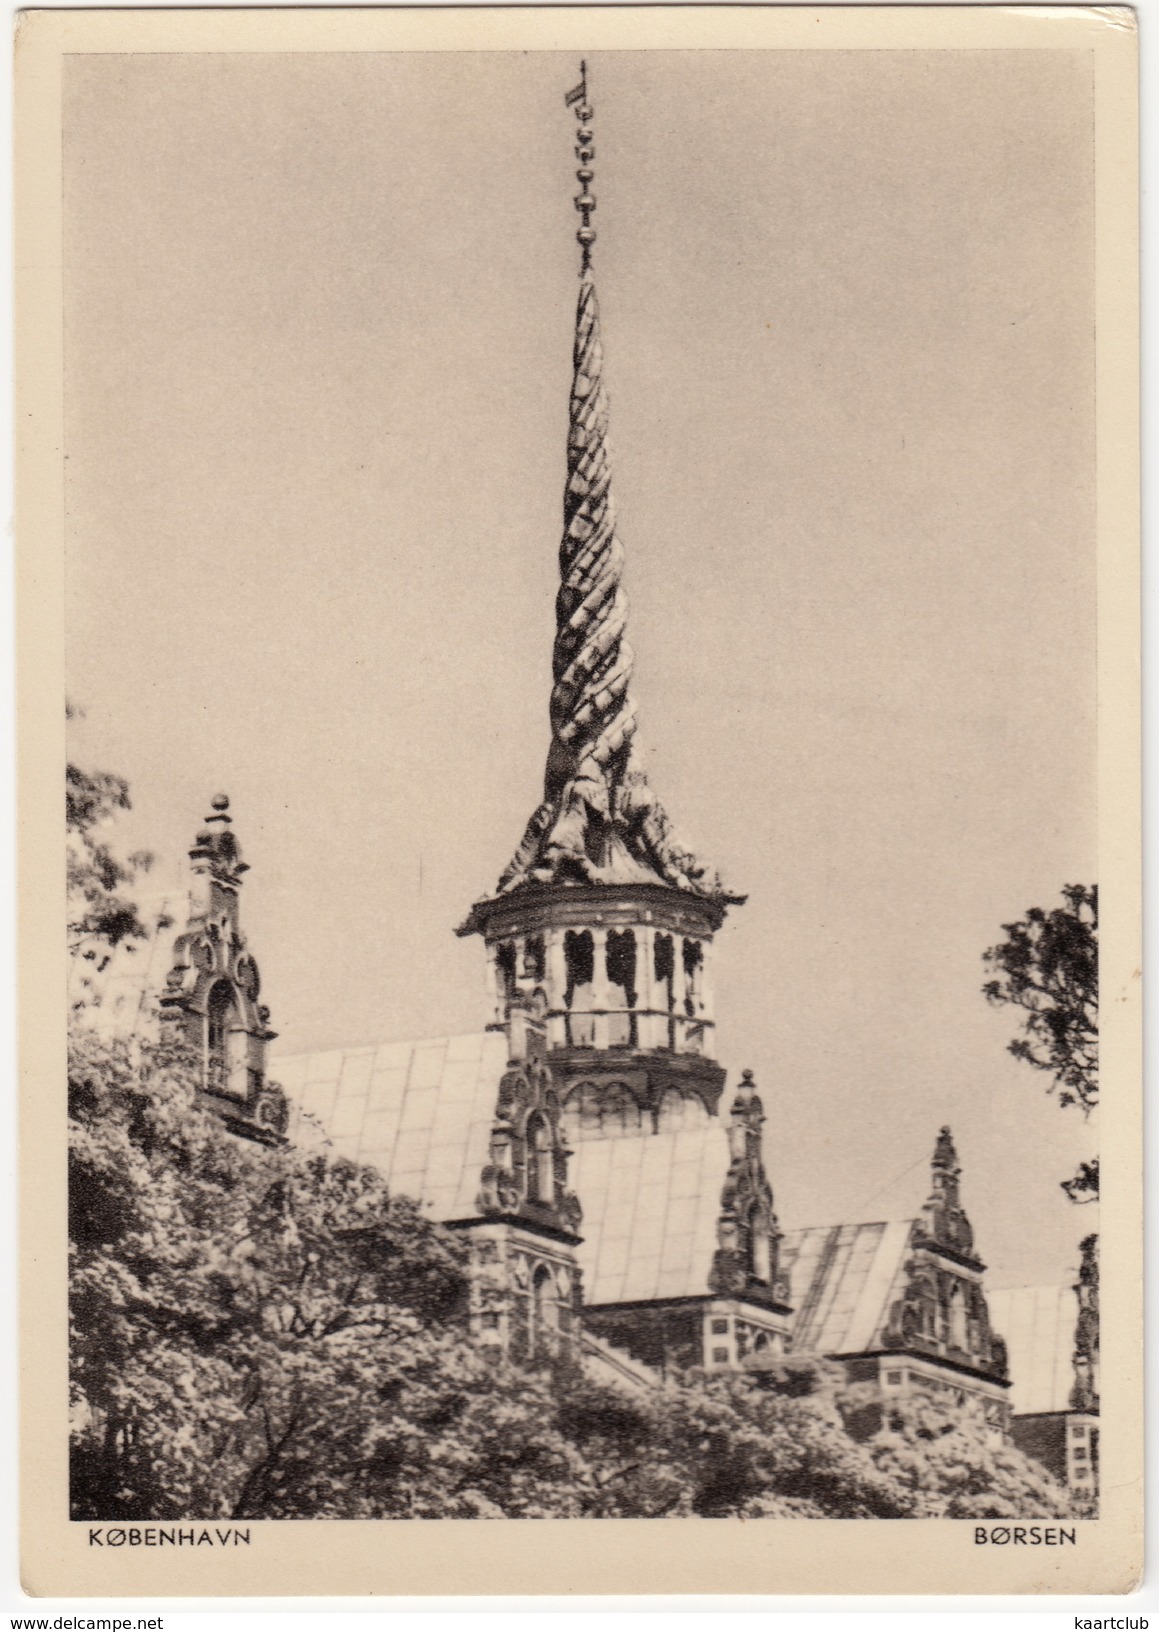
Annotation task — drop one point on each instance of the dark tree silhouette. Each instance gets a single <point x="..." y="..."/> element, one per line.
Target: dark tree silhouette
<point x="1048" y="966"/>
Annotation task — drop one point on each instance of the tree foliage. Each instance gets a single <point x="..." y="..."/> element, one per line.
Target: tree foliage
<point x="102" y="914"/>
<point x="255" y="1332"/>
<point x="954" y="1470"/>
<point x="1048" y="966"/>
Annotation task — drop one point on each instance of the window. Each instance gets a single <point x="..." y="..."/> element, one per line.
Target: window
<point x="621" y="960"/>
<point x="956" y="1318"/>
<point x="894" y="1377"/>
<point x="621" y="968"/>
<point x="760" y="1255"/>
<point x="664" y="970"/>
<point x="597" y="1110"/>
<point x="1080" y="1453"/>
<point x="720" y="1357"/>
<point x="220" y="1012"/>
<point x="720" y="1328"/>
<point x="1078" y="1430"/>
<point x="680" y="1111"/>
<point x="267" y="1111"/>
<point x="580" y="963"/>
<point x="664" y="963"/>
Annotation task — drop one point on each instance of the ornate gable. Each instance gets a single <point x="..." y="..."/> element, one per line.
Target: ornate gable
<point x="746" y="1262"/>
<point x="942" y="1311"/>
<point x="526" y="1173"/>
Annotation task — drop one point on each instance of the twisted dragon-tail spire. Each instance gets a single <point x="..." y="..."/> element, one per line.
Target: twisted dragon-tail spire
<point x="599" y="821"/>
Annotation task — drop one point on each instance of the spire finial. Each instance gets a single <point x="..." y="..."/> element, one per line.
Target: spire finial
<point x="585" y="201"/>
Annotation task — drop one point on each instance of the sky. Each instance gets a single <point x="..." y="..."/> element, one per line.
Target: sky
<point x="318" y="332"/>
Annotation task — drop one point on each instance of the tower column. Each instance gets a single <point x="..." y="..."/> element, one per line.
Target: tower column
<point x="647" y="1025"/>
<point x="491" y="978"/>
<point x="643" y="982"/>
<point x="556" y="986"/>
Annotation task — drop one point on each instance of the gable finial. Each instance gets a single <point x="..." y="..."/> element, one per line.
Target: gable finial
<point x="945" y="1155"/>
<point x="585" y="200"/>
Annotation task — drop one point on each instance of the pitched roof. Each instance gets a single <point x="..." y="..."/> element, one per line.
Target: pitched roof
<point x="1038" y="1324"/>
<point x="419" y="1112"/>
<point x="843" y="1279"/>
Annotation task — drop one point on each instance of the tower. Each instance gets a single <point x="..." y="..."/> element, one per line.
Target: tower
<point x="602" y="915"/>
<point x="577" y="1141"/>
<point x="602" y="926"/>
<point x="210" y="1002"/>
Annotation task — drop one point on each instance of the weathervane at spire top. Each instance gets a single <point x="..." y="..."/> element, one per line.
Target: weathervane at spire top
<point x="585" y="201"/>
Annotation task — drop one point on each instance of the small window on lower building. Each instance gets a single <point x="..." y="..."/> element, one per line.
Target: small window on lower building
<point x="720" y="1357"/>
<point x="1080" y="1452"/>
<point x="719" y="1328"/>
<point x="1078" y="1430"/>
<point x="893" y="1376"/>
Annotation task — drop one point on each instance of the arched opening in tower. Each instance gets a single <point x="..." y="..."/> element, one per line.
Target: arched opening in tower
<point x="220" y="1015"/>
<point x="760" y="1250"/>
<point x="540" y="1171"/>
<point x="621" y="968"/>
<point x="580" y="963"/>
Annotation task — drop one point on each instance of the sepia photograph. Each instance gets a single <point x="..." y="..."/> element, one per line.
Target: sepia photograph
<point x="580" y="597"/>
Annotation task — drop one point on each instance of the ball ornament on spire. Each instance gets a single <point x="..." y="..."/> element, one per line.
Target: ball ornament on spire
<point x="585" y="201"/>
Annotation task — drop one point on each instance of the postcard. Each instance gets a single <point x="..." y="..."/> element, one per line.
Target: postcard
<point x="579" y="568"/>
